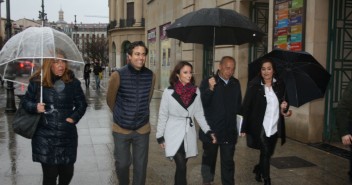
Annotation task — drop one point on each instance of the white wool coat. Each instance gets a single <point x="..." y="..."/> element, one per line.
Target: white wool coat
<point x="176" y="128"/>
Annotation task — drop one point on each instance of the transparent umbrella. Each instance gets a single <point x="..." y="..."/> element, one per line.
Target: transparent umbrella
<point x="23" y="53"/>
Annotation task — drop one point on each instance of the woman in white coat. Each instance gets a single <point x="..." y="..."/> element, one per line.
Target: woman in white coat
<point x="176" y="132"/>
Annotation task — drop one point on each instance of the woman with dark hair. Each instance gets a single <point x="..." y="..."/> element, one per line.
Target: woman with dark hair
<point x="55" y="141"/>
<point x="176" y="132"/>
<point x="263" y="109"/>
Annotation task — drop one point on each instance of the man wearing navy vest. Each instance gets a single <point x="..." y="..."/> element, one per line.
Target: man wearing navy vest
<point x="129" y="93"/>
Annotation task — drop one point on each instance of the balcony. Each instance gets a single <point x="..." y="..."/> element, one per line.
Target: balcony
<point x="130" y="22"/>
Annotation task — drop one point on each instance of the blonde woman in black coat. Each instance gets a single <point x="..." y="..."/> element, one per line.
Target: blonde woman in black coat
<point x="264" y="108"/>
<point x="55" y="141"/>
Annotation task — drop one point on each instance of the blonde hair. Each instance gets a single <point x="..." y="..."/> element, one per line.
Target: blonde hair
<point x="48" y="74"/>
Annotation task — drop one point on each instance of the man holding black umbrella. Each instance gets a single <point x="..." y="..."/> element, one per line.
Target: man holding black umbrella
<point x="221" y="98"/>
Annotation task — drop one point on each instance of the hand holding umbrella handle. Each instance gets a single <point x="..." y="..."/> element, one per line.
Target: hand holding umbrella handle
<point x="40" y="107"/>
<point x="212" y="83"/>
<point x="284" y="105"/>
<point x="284" y="109"/>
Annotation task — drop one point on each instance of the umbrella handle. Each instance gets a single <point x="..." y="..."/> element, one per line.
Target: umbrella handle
<point x="284" y="99"/>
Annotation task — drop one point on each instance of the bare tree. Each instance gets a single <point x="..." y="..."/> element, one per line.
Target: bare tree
<point x="97" y="49"/>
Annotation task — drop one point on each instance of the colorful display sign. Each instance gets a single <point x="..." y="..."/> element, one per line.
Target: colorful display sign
<point x="289" y="18"/>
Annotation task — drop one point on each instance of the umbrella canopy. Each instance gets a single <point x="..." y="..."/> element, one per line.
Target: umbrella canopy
<point x="305" y="78"/>
<point x="22" y="53"/>
<point x="215" y="26"/>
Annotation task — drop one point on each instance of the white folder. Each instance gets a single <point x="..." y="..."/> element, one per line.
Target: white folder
<point x="239" y="123"/>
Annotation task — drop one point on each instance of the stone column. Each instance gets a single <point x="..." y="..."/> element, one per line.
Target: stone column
<point x="112" y="8"/>
<point x="120" y="11"/>
<point x="138" y="12"/>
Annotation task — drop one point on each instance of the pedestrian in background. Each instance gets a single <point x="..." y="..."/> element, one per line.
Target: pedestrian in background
<point x="97" y="70"/>
<point x="130" y="111"/>
<point x="221" y="98"/>
<point x="55" y="141"/>
<point x="264" y="108"/>
<point x="344" y="121"/>
<point x="86" y="76"/>
<point x="176" y="133"/>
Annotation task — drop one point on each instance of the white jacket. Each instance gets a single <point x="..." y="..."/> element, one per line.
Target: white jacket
<point x="176" y="128"/>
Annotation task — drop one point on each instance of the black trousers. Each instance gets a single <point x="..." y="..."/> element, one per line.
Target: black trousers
<point x="51" y="172"/>
<point x="350" y="172"/>
<point x="87" y="81"/>
<point x="210" y="152"/>
<point x="181" y="166"/>
<point x="267" y="147"/>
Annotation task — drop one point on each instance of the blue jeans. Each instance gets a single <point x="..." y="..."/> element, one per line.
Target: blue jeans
<point x="124" y="157"/>
<point x="97" y="82"/>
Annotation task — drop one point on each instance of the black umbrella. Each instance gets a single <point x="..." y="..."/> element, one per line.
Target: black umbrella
<point x="215" y="26"/>
<point x="305" y="78"/>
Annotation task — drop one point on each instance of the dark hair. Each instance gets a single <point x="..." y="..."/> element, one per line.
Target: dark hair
<point x="173" y="77"/>
<point x="267" y="60"/>
<point x="135" y="44"/>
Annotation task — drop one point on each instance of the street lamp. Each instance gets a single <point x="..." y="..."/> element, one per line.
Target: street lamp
<point x="75" y="28"/>
<point x="42" y="14"/>
<point x="10" y="96"/>
<point x="1" y="35"/>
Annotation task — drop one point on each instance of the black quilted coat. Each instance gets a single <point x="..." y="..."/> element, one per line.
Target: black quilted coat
<point x="55" y="140"/>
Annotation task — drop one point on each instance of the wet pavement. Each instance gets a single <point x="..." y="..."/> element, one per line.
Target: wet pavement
<point x="95" y="164"/>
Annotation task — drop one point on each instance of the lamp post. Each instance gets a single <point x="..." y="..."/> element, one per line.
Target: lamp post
<point x="10" y="96"/>
<point x="42" y="14"/>
<point x="2" y="40"/>
<point x="75" y="28"/>
<point x="1" y="33"/>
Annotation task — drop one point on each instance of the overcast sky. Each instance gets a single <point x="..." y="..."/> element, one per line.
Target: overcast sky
<point x="87" y="11"/>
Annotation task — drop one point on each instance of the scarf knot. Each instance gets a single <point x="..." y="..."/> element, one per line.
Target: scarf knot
<point x="186" y="92"/>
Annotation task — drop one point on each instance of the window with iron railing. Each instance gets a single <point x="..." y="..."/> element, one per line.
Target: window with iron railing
<point x="130" y="22"/>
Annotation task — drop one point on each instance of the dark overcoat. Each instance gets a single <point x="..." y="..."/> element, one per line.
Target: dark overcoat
<point x="55" y="140"/>
<point x="253" y="111"/>
<point x="220" y="108"/>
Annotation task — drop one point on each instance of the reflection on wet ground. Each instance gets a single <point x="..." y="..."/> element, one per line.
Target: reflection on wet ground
<point x="95" y="164"/>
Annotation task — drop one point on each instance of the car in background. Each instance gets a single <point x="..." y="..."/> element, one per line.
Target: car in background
<point x="24" y="67"/>
<point x="18" y="68"/>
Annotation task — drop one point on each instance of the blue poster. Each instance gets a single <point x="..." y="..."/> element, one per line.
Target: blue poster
<point x="296" y="20"/>
<point x="282" y="23"/>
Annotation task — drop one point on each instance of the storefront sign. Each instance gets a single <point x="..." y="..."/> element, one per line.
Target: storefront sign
<point x="152" y="35"/>
<point x="162" y="30"/>
<point x="289" y="19"/>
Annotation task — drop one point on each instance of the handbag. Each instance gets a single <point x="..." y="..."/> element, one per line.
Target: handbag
<point x="25" y="123"/>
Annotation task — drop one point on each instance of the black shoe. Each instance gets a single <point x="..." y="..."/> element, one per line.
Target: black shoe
<point x="258" y="176"/>
<point x="267" y="181"/>
<point x="350" y="175"/>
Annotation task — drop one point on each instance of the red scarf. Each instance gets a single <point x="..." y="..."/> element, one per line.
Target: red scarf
<point x="186" y="92"/>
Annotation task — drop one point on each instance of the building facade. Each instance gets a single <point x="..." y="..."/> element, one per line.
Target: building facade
<point x="127" y="24"/>
<point x="320" y="27"/>
<point x="86" y="34"/>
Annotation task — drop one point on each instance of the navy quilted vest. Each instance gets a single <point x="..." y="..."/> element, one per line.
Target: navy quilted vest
<point x="132" y="102"/>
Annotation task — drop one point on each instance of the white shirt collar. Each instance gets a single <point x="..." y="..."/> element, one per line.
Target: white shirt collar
<point x="261" y="82"/>
<point x="226" y="81"/>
